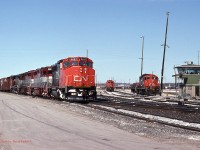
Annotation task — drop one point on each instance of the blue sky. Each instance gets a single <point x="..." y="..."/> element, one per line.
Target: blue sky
<point x="38" y="33"/>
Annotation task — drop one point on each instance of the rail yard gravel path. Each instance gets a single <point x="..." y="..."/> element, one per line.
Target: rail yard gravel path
<point x="40" y="124"/>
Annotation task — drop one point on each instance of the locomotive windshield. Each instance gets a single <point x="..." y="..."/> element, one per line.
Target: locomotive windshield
<point x="83" y="63"/>
<point x="155" y="78"/>
<point x="66" y="64"/>
<point x="90" y="64"/>
<point x="76" y="63"/>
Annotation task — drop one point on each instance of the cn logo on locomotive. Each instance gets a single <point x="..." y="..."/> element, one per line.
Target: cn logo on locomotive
<point x="80" y="78"/>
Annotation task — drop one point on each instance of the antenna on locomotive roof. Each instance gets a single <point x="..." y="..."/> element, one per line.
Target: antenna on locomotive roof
<point x="87" y="53"/>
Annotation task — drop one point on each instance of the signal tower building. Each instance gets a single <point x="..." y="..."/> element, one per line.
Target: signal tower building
<point x="189" y="79"/>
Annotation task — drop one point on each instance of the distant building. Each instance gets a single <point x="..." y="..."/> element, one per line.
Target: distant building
<point x="189" y="79"/>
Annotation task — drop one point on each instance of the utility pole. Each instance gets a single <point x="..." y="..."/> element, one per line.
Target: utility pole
<point x="198" y="57"/>
<point x="142" y="58"/>
<point x="163" y="63"/>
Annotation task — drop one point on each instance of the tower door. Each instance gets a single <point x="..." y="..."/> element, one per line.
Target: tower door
<point x="197" y="91"/>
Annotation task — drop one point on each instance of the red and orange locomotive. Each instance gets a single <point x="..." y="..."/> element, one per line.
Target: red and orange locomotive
<point x="74" y="77"/>
<point x="148" y="84"/>
<point x="110" y="85"/>
<point x="69" y="78"/>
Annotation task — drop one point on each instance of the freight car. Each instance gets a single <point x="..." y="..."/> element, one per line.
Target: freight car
<point x="148" y="84"/>
<point x="72" y="78"/>
<point x="110" y="85"/>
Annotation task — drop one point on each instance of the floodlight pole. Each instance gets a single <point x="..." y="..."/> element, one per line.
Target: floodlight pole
<point x="163" y="62"/>
<point x="142" y="54"/>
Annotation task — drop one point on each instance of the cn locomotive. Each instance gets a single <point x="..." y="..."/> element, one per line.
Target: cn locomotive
<point x="72" y="78"/>
<point x="148" y="84"/>
<point x="110" y="85"/>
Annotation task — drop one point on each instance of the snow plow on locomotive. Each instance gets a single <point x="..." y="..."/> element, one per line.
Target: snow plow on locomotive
<point x="72" y="78"/>
<point x="148" y="84"/>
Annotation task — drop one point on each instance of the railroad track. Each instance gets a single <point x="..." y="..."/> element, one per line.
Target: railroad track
<point x="102" y="104"/>
<point x="149" y="118"/>
<point x="154" y="99"/>
<point x="146" y="103"/>
<point x="185" y="116"/>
